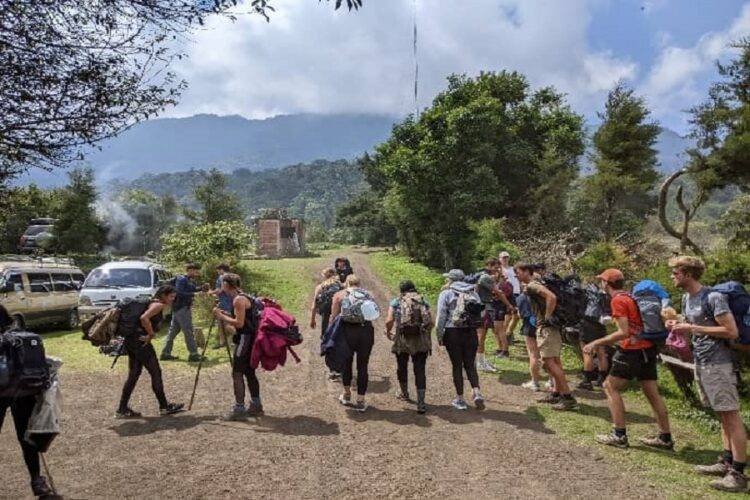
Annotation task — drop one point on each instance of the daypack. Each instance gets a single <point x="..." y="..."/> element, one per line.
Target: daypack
<point x="414" y="316"/>
<point x="102" y="327"/>
<point x="129" y="320"/>
<point x="325" y="298"/>
<point x="277" y="333"/>
<point x="598" y="303"/>
<point x="648" y="295"/>
<point x="23" y="365"/>
<point x="256" y="311"/>
<point x="739" y="305"/>
<point x="571" y="299"/>
<point x="352" y="304"/>
<point x="468" y="310"/>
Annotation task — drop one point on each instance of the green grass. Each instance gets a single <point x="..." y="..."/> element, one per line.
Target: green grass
<point x="695" y="430"/>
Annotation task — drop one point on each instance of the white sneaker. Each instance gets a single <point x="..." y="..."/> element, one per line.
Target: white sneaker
<point x="548" y="385"/>
<point x="459" y="404"/>
<point x="488" y="367"/>
<point x="534" y="386"/>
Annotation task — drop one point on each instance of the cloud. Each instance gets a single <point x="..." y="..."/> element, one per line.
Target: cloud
<point x="310" y="58"/>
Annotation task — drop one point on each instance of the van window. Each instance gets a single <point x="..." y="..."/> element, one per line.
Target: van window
<point x="11" y="281"/>
<point x="78" y="279"/>
<point x="119" y="278"/>
<point x="40" y="282"/>
<point x="62" y="282"/>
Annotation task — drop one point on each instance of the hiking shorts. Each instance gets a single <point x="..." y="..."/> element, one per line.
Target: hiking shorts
<point x="549" y="340"/>
<point x="718" y="386"/>
<point x="639" y="364"/>
<point x="591" y="331"/>
<point x="490" y="316"/>
<point x="527" y="330"/>
<point x="241" y="356"/>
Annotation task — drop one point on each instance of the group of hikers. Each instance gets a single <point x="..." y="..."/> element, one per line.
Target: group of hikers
<point x="498" y="298"/>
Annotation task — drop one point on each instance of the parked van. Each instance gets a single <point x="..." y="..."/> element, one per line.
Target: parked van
<point x="42" y="291"/>
<point x="106" y="285"/>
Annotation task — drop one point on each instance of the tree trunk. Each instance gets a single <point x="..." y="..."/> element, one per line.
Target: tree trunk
<point x="685" y="240"/>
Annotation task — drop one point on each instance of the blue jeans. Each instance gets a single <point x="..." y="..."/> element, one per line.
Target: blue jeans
<point x="182" y="320"/>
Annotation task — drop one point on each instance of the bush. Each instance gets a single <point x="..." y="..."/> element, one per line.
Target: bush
<point x="601" y="256"/>
<point x="728" y="265"/>
<point x="217" y="241"/>
<point x="490" y="240"/>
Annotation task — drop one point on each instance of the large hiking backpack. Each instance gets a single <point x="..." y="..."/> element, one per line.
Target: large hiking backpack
<point x="648" y="296"/>
<point x="414" y="316"/>
<point x="129" y="320"/>
<point x="598" y="303"/>
<point x="101" y="328"/>
<point x="325" y="298"/>
<point x="352" y="306"/>
<point x="571" y="299"/>
<point x="739" y="305"/>
<point x="23" y="365"/>
<point x="277" y="333"/>
<point x="468" y="310"/>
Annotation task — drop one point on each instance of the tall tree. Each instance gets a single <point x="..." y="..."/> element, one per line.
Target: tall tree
<point x="619" y="194"/>
<point x="217" y="202"/>
<point x="78" y="229"/>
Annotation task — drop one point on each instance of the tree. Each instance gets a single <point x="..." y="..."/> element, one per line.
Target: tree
<point x="76" y="72"/>
<point x="216" y="201"/>
<point x="215" y="241"/>
<point x="484" y="149"/>
<point x="19" y="206"/>
<point x="78" y="229"/>
<point x="151" y="215"/>
<point x="363" y="220"/>
<point x="619" y="193"/>
<point x="735" y="223"/>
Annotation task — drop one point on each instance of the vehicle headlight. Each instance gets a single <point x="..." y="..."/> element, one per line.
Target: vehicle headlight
<point x="84" y="300"/>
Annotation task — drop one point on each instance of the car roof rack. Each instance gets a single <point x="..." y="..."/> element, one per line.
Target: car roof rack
<point x="59" y="261"/>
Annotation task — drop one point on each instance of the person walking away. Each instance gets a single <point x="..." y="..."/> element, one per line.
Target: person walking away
<point x="410" y="313"/>
<point x="21" y="409"/>
<point x="182" y="315"/>
<point x="359" y="335"/>
<point x="528" y="331"/>
<point x="137" y="339"/>
<point x="485" y="286"/>
<point x="225" y="303"/>
<point x="459" y="311"/>
<point x="549" y="337"/>
<point x="245" y="320"/>
<point x="323" y="299"/>
<point x="709" y="319"/>
<point x="343" y="268"/>
<point x="635" y="358"/>
<point x="510" y="276"/>
<point x="592" y="328"/>
<point x="505" y="307"/>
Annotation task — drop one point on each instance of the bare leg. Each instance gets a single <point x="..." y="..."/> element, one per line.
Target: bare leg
<point x="612" y="388"/>
<point x="555" y="369"/>
<point x="501" y="337"/>
<point x="651" y="390"/>
<point x="734" y="429"/>
<point x="534" y="360"/>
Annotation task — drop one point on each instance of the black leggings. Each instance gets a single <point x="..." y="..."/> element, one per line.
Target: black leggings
<point x="142" y="356"/>
<point x="360" y="339"/>
<point x="21" y="409"/>
<point x="461" y="344"/>
<point x="324" y="317"/>
<point x="241" y="368"/>
<point x="419" y="360"/>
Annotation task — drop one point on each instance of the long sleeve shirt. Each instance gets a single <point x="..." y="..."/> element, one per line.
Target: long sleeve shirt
<point x="186" y="290"/>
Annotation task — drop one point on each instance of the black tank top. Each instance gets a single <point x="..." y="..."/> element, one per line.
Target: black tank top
<point x="250" y="326"/>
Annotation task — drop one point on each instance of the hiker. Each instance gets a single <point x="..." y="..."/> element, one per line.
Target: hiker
<point x="343" y="268"/>
<point x="323" y="299"/>
<point x="21" y="408"/>
<point x="245" y="319"/>
<point x="549" y="337"/>
<point x="528" y="331"/>
<point x="510" y="276"/>
<point x="182" y="314"/>
<point x="635" y="358"/>
<point x="410" y="313"/>
<point x="359" y="335"/>
<point x="459" y="313"/>
<point x="591" y="328"/>
<point x="225" y="304"/>
<point x="708" y="317"/>
<point x="137" y="337"/>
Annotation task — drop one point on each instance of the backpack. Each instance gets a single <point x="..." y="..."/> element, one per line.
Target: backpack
<point x="102" y="327"/>
<point x="739" y="305"/>
<point x="129" y="320"/>
<point x="597" y="303"/>
<point x="414" y="316"/>
<point x="352" y="304"/>
<point x="468" y="310"/>
<point x="648" y="295"/>
<point x="325" y="298"/>
<point x="23" y="365"/>
<point x="256" y="311"/>
<point x="571" y="299"/>
<point x="276" y="334"/>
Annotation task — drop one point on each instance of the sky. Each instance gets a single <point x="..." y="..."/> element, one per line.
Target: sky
<point x="312" y="59"/>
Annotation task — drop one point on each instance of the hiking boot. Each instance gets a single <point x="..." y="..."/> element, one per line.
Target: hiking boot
<point x="720" y="468"/>
<point x="459" y="404"/>
<point x="171" y="409"/>
<point x="421" y="405"/>
<point x="534" y="386"/>
<point x="585" y="385"/>
<point x="550" y="398"/>
<point x="127" y="413"/>
<point x="254" y="409"/>
<point x="196" y="358"/>
<point x="360" y="406"/>
<point x="41" y="489"/>
<point x="565" y="404"/>
<point x="479" y="401"/>
<point x="345" y="401"/>
<point x="237" y="414"/>
<point x="657" y="442"/>
<point x="168" y="357"/>
<point x="732" y="482"/>
<point x="612" y="440"/>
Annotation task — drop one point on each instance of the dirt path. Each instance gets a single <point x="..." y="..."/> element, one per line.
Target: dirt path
<point x="308" y="446"/>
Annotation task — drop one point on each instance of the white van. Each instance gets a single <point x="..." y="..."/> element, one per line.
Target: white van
<point x="106" y="285"/>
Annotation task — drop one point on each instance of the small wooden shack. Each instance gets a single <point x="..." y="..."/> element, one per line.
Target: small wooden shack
<point x="280" y="235"/>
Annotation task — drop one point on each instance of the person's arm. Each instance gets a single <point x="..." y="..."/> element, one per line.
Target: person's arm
<point x="313" y="309"/>
<point x="727" y="328"/>
<point x="336" y="306"/>
<point x="623" y="327"/>
<point x="389" y="322"/>
<point x="153" y="309"/>
<point x="240" y="305"/>
<point x="442" y="314"/>
<point x="550" y="302"/>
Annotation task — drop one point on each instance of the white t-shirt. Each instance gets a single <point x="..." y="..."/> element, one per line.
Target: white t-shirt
<point x="510" y="275"/>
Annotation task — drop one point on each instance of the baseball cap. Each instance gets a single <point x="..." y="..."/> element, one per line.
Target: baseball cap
<point x="455" y="275"/>
<point x="504" y="254"/>
<point x="611" y="275"/>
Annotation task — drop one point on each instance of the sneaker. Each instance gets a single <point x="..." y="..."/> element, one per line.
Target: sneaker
<point x="345" y="401"/>
<point x="487" y="367"/>
<point x="534" y="386"/>
<point x="479" y="402"/>
<point x="360" y="406"/>
<point x="498" y="353"/>
<point x="732" y="482"/>
<point x="236" y="414"/>
<point x="168" y="357"/>
<point x="401" y="396"/>
<point x="127" y="413"/>
<point x="196" y="358"/>
<point x="585" y="385"/>
<point x="612" y="440"/>
<point x="41" y="489"/>
<point x="172" y="408"/>
<point x="421" y="407"/>
<point x="720" y="468"/>
<point x="459" y="404"/>
<point x="599" y="382"/>
<point x="503" y="354"/>
<point x="254" y="409"/>
<point x="548" y="385"/>
<point x="565" y="404"/>
<point x="333" y="376"/>
<point x="550" y="398"/>
<point x="657" y="442"/>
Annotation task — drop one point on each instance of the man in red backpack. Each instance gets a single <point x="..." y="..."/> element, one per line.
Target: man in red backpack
<point x="635" y="358"/>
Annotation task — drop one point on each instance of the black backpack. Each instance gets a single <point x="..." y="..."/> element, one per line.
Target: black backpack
<point x="571" y="299"/>
<point x="131" y="310"/>
<point x="23" y="365"/>
<point x="324" y="300"/>
<point x="598" y="303"/>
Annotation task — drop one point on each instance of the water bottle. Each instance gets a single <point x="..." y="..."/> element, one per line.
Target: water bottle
<point x="4" y="371"/>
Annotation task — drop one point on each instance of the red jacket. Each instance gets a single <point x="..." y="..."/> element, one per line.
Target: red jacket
<point x="277" y="333"/>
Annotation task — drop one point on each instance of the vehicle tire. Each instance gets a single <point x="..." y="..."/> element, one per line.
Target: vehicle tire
<point x="73" y="321"/>
<point x="18" y="322"/>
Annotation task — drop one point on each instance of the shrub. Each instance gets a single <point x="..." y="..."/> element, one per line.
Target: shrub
<point x="727" y="265"/>
<point x="490" y="240"/>
<point x="217" y="241"/>
<point x="601" y="256"/>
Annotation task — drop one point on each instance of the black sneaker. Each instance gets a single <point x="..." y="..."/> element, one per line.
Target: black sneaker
<point x="127" y="413"/>
<point x="196" y="358"/>
<point x="171" y="409"/>
<point x="585" y="385"/>
<point x="359" y="406"/>
<point x="41" y="489"/>
<point x="168" y="357"/>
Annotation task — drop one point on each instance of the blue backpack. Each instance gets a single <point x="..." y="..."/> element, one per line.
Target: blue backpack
<point x="739" y="305"/>
<point x="648" y="295"/>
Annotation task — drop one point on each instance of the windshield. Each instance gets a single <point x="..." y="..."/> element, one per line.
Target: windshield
<point x="35" y="230"/>
<point x="119" y="278"/>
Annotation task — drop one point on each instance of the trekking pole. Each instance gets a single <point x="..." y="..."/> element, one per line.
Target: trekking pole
<point x="200" y="363"/>
<point x="49" y="476"/>
<point x="229" y="349"/>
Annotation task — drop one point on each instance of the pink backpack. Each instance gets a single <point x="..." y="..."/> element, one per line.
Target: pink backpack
<point x="277" y="333"/>
<point x="678" y="346"/>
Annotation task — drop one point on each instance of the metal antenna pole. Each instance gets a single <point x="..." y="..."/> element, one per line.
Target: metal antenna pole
<point x="416" y="66"/>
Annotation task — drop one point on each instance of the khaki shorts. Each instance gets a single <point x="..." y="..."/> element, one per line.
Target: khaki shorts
<point x="718" y="386"/>
<point x="549" y="341"/>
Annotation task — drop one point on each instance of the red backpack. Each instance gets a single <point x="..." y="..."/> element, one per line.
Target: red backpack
<point x="277" y="333"/>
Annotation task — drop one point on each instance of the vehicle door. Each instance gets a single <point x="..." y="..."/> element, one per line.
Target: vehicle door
<point x="64" y="293"/>
<point x="14" y="297"/>
<point x="42" y="307"/>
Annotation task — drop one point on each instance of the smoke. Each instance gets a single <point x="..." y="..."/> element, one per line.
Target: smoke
<point x="122" y="229"/>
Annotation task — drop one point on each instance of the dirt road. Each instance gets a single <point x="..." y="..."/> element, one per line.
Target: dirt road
<point x="308" y="446"/>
